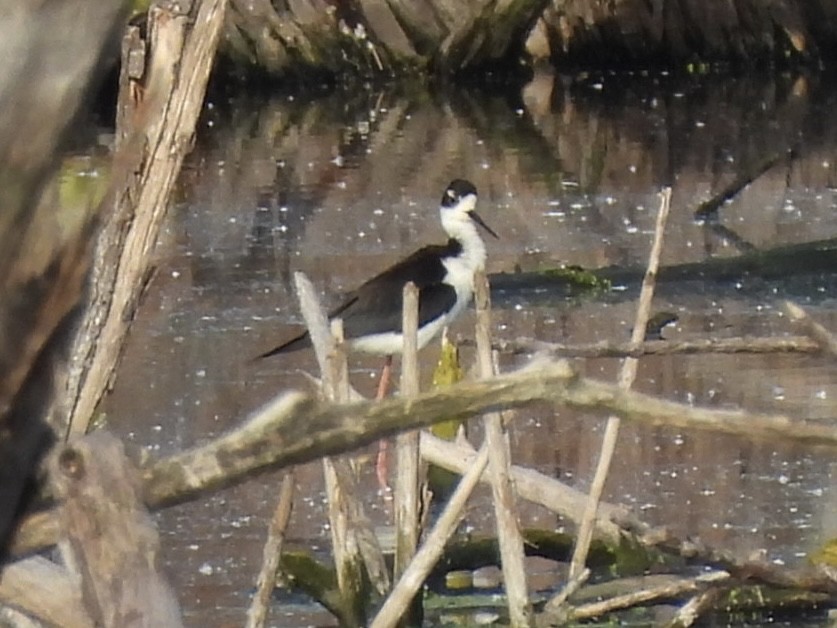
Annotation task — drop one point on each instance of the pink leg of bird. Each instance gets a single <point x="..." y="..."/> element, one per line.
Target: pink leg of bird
<point x="381" y="465"/>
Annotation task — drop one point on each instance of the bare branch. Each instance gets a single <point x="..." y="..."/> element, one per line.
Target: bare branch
<point x="819" y="334"/>
<point x="627" y="374"/>
<point x="605" y="349"/>
<point x="296" y="428"/>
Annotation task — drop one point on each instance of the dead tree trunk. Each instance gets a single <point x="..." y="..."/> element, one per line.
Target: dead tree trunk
<point x="162" y="108"/>
<point x="53" y="51"/>
<point x="376" y="37"/>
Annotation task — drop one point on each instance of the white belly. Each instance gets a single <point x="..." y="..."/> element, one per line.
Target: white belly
<point x="392" y="343"/>
<point x="460" y="275"/>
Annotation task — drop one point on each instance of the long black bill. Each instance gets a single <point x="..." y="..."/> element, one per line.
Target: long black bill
<point x="476" y="218"/>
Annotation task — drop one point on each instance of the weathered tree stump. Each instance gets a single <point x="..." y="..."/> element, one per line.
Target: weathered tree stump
<point x="375" y="37"/>
<point x="111" y="541"/>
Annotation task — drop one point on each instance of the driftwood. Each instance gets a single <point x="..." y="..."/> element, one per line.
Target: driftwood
<point x="42" y="589"/>
<point x="182" y="41"/>
<point x="111" y="541"/>
<point x="372" y="37"/>
<point x="55" y="52"/>
<point x="431" y="550"/>
<point x="781" y="263"/>
<point x="499" y="468"/>
<point x="651" y="588"/>
<point x="535" y="487"/>
<point x="605" y="349"/>
<point x="819" y="334"/>
<point x="296" y="428"/>
<point x="355" y="546"/>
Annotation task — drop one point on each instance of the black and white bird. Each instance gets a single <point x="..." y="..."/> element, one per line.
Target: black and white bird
<point x="443" y="274"/>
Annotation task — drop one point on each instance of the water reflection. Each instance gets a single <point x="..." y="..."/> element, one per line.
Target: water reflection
<point x="340" y="185"/>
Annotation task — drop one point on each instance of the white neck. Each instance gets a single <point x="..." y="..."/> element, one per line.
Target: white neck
<point x="460" y="227"/>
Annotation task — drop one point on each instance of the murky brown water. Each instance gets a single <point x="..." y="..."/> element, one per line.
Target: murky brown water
<point x="341" y="185"/>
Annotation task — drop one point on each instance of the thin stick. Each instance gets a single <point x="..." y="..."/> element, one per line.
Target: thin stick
<point x="673" y="589"/>
<point x="535" y="487"/>
<point x="691" y="611"/>
<point x="606" y="349"/>
<point x="627" y="375"/>
<point x="824" y="338"/>
<point x="505" y="509"/>
<point x="353" y="540"/>
<point x="431" y="550"/>
<point x="295" y="428"/>
<point x="573" y="585"/>
<point x="260" y="605"/>
<point x="407" y="444"/>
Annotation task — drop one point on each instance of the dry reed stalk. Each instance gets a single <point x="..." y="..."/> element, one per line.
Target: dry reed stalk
<point x="691" y="611"/>
<point x="406" y="498"/>
<point x="627" y="375"/>
<point x="353" y="541"/>
<point x="819" y="334"/>
<point x="432" y="548"/>
<point x="676" y="586"/>
<point x="505" y="510"/>
<point x="260" y="605"/>
<point x="295" y="427"/>
<point x="534" y="487"/>
<point x="606" y="349"/>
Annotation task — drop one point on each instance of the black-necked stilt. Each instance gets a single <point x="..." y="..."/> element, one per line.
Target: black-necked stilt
<point x="443" y="274"/>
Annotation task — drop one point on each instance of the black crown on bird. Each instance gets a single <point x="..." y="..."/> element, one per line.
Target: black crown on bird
<point x="443" y="274"/>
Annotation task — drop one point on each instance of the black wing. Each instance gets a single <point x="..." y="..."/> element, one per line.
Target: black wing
<point x="376" y="305"/>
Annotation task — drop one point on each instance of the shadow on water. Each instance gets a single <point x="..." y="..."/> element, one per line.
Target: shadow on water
<point x="339" y="185"/>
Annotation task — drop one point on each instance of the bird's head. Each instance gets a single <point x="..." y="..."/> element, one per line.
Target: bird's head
<point x="458" y="206"/>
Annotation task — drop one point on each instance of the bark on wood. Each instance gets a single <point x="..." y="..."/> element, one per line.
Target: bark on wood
<point x="354" y="543"/>
<point x="374" y="37"/>
<point x="406" y="494"/>
<point x="627" y="375"/>
<point x="260" y="605"/>
<point x="45" y="591"/>
<point x="605" y="349"/>
<point x="431" y="550"/>
<point x="53" y="53"/>
<point x="535" y="487"/>
<point x="182" y="42"/>
<point x="296" y="428"/>
<point x="627" y="32"/>
<point x="499" y="464"/>
<point x="111" y="541"/>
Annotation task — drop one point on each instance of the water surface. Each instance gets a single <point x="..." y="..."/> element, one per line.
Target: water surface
<point x="339" y="185"/>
